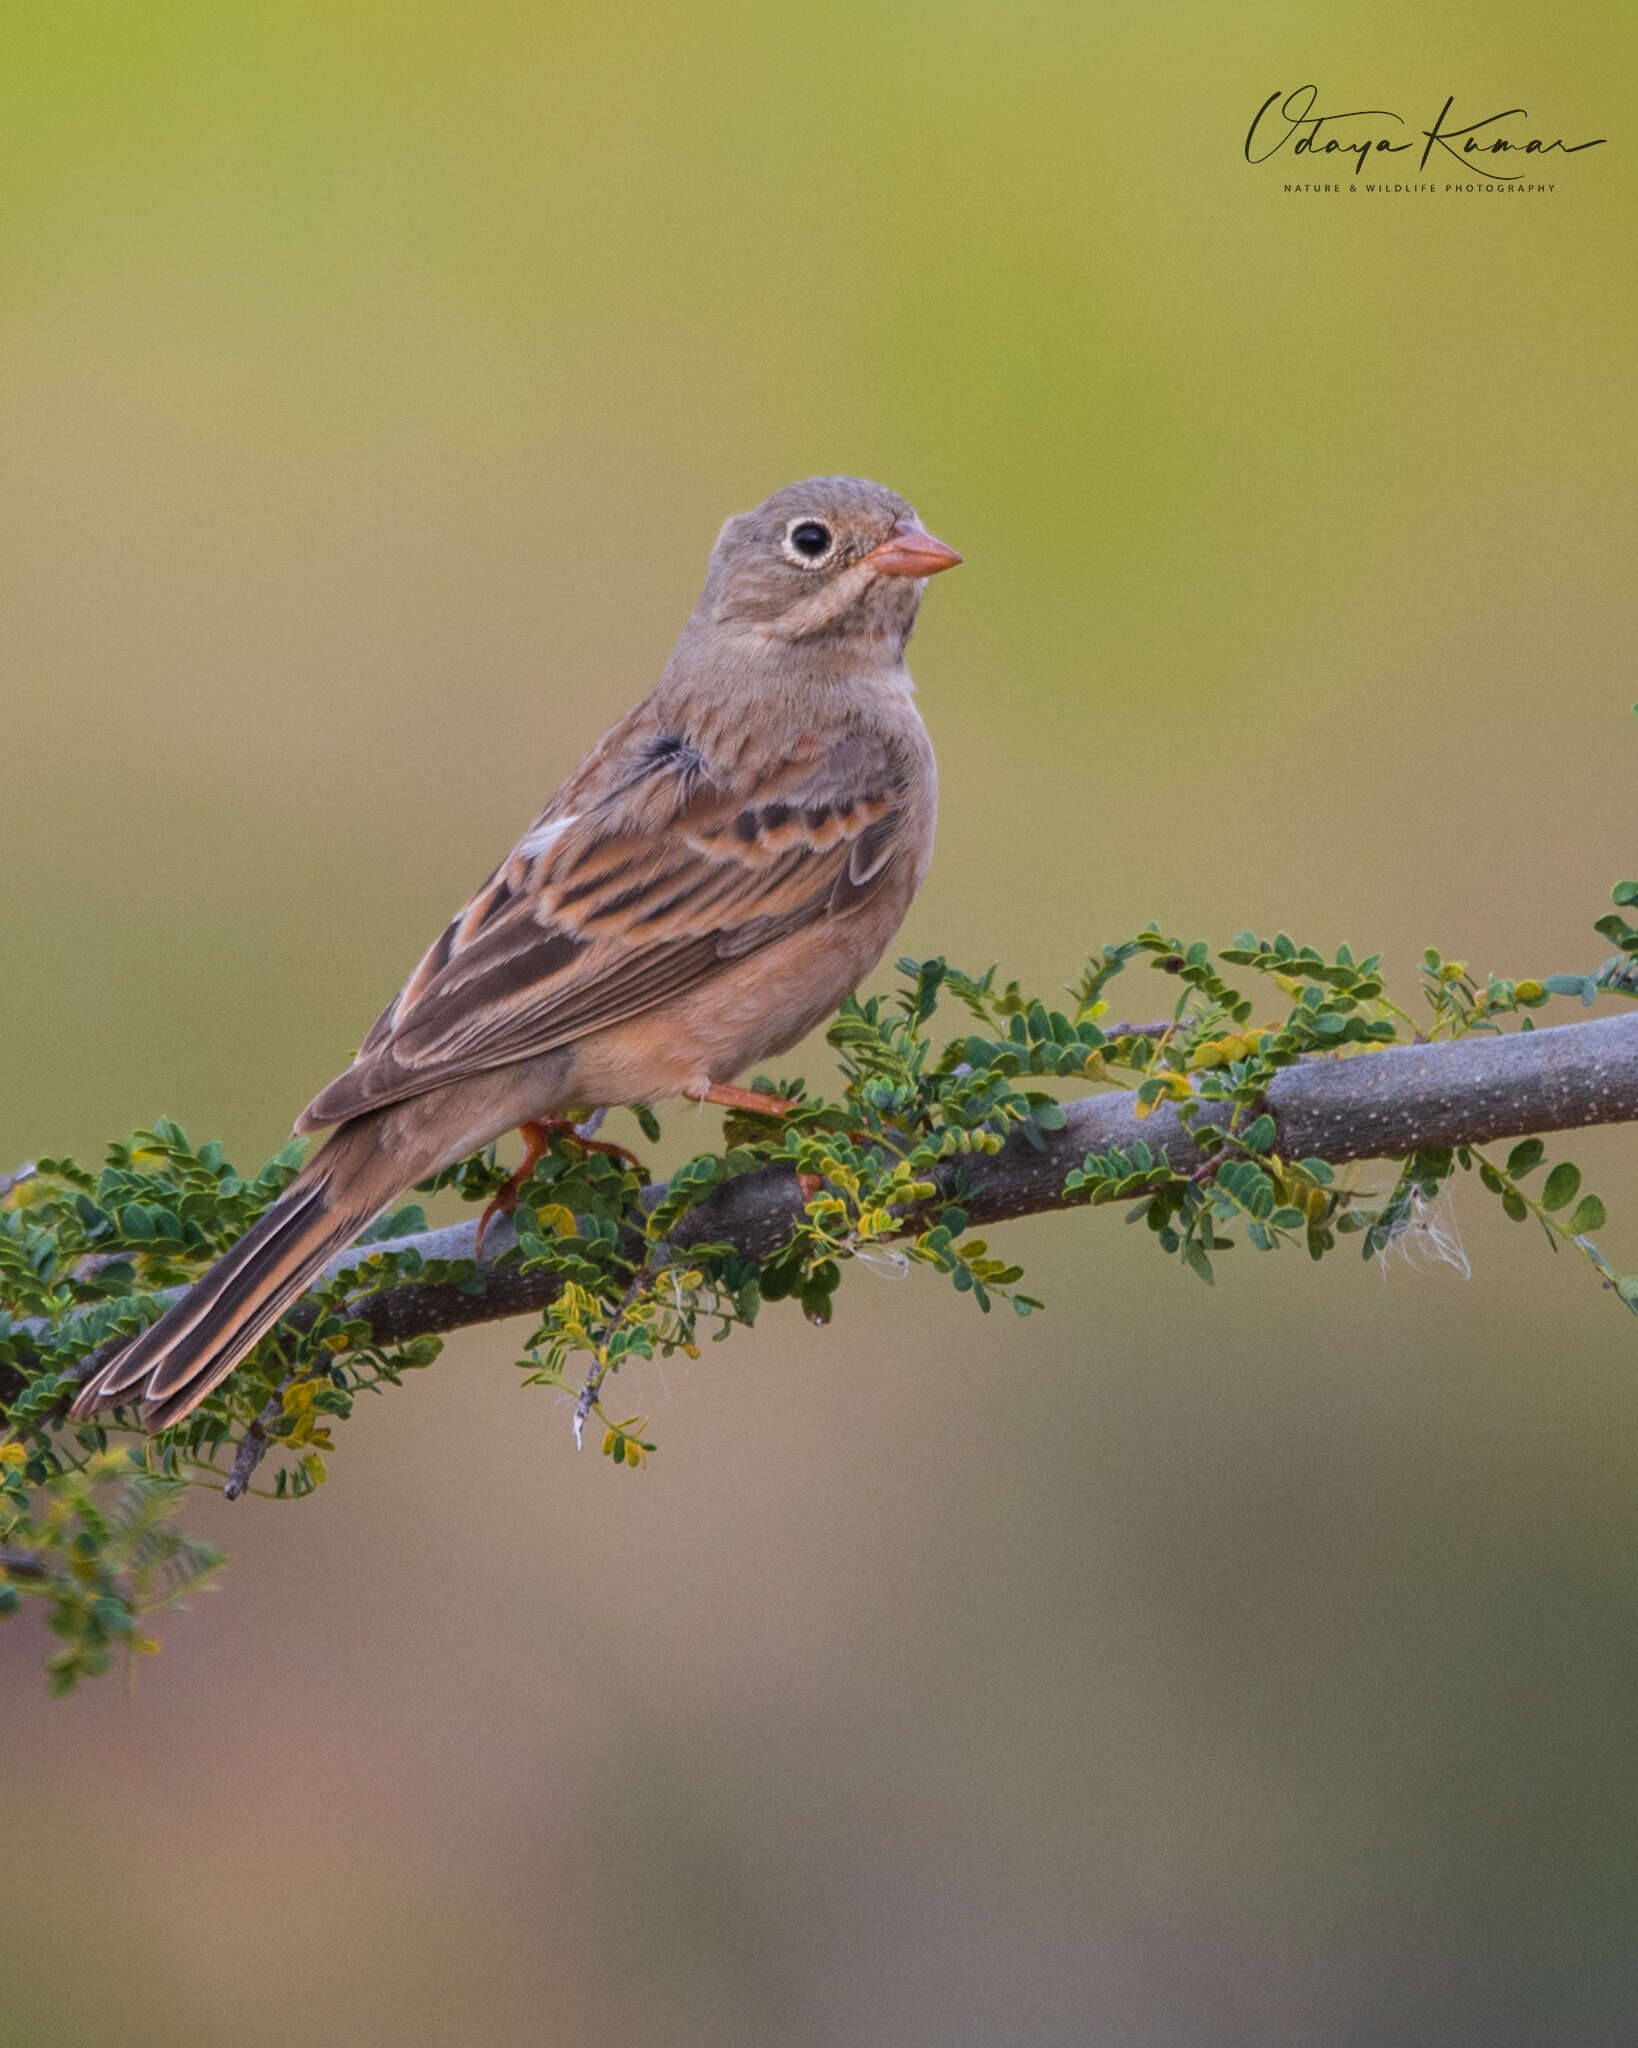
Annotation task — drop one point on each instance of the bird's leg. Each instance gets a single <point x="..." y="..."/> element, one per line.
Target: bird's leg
<point x="742" y="1098"/>
<point x="537" y="1138"/>
<point x="582" y="1135"/>
<point x="537" y="1142"/>
<point x="768" y="1105"/>
<point x="585" y="1136"/>
<point x="760" y="1105"/>
<point x="764" y="1105"/>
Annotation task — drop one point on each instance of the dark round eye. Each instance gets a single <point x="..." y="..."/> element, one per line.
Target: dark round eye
<point x="810" y="538"/>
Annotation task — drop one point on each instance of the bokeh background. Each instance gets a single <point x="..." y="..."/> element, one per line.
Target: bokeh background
<point x="1249" y="1666"/>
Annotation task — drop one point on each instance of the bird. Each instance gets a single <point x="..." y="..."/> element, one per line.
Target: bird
<point x="722" y="868"/>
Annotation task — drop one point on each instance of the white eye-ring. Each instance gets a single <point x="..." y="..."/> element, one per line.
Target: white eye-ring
<point x="808" y="543"/>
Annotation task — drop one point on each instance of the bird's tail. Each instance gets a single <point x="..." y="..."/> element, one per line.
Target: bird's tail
<point x="175" y="1363"/>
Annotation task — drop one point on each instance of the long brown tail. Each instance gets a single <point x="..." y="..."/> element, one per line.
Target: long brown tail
<point x="175" y="1363"/>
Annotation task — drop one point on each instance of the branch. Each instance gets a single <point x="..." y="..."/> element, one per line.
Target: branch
<point x="1376" y="1105"/>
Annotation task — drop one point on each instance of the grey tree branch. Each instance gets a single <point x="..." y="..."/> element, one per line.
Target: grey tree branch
<point x="1371" y="1106"/>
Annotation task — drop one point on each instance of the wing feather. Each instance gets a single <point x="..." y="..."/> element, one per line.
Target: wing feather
<point x="607" y="908"/>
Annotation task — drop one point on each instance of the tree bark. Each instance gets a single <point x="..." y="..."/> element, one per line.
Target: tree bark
<point x="1374" y="1105"/>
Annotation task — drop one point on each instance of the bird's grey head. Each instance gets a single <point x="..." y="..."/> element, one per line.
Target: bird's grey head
<point x="833" y="558"/>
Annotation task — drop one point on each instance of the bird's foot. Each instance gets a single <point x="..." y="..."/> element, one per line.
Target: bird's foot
<point x="747" y="1099"/>
<point x="537" y="1142"/>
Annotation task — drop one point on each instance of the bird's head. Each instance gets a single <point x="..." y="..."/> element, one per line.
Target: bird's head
<point x="834" y="557"/>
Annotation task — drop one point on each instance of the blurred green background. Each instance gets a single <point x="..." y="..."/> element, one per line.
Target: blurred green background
<point x="1248" y="1666"/>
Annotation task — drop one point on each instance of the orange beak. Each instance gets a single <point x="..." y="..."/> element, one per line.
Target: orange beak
<point x="911" y="551"/>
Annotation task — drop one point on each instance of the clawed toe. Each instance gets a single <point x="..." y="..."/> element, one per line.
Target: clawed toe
<point x="747" y="1099"/>
<point x="537" y="1140"/>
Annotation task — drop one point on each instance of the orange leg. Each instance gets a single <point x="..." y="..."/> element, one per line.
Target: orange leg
<point x="767" y="1105"/>
<point x="537" y="1141"/>
<point x="761" y="1105"/>
<point x="745" y="1098"/>
<point x="772" y="1105"/>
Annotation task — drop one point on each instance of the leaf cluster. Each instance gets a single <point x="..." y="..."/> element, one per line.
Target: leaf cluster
<point x="931" y="1079"/>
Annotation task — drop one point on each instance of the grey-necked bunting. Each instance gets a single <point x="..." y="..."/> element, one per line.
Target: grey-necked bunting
<point x="720" y="870"/>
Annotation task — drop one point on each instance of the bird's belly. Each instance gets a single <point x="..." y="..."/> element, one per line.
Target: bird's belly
<point x="744" y="1014"/>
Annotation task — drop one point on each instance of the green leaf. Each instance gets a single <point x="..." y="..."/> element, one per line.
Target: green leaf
<point x="1563" y="1183"/>
<point x="1513" y="1204"/>
<point x="1525" y="1157"/>
<point x="403" y="1222"/>
<point x="1258" y="1136"/>
<point x="1589" y="1215"/>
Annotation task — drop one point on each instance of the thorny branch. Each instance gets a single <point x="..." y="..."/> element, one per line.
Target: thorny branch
<point x="1388" y="1104"/>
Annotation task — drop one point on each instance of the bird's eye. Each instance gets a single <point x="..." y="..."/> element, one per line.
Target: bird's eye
<point x="808" y="541"/>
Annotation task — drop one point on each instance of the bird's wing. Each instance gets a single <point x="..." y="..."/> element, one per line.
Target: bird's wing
<point x="646" y="874"/>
